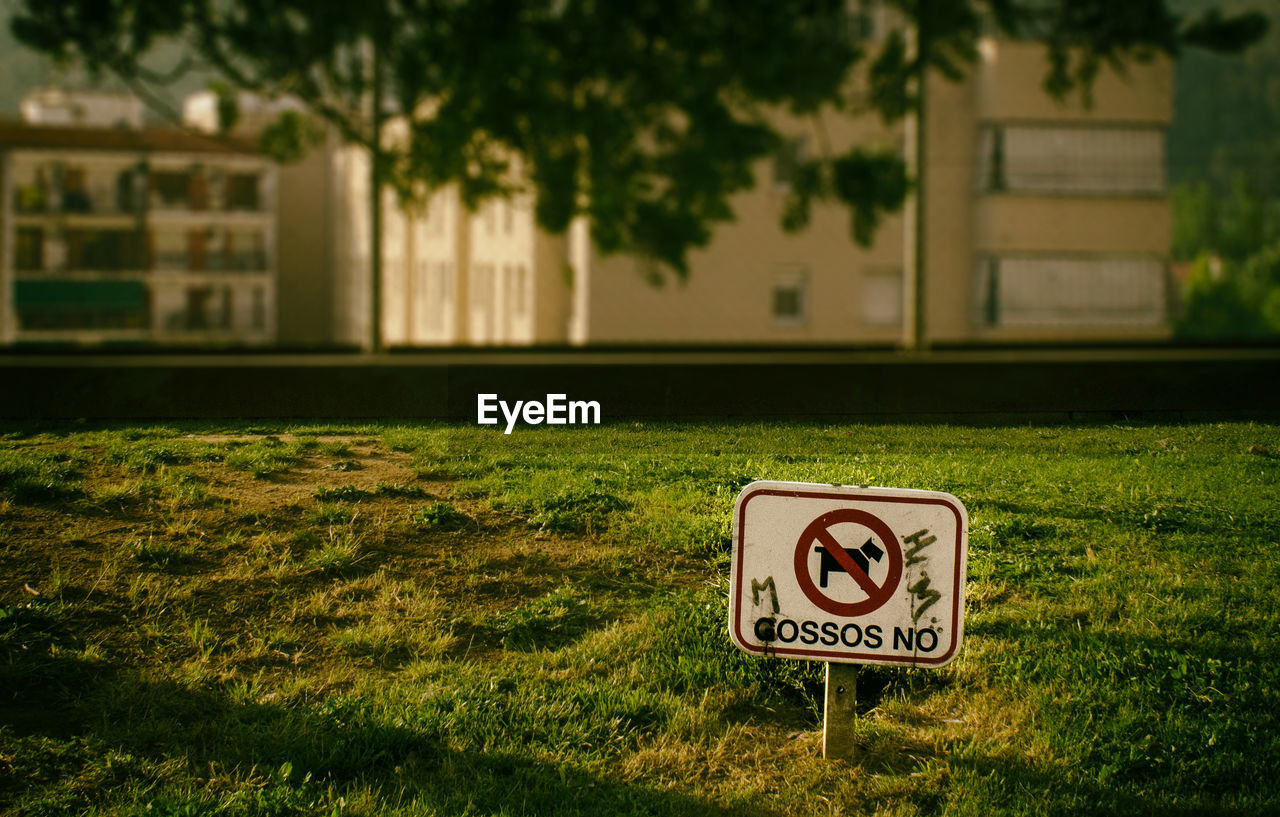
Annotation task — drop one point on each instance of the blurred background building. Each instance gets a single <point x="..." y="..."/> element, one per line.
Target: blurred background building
<point x="112" y="232"/>
<point x="1046" y="221"/>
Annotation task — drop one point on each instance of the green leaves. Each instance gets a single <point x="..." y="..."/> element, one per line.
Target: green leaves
<point x="871" y="184"/>
<point x="1214" y="32"/>
<point x="289" y="138"/>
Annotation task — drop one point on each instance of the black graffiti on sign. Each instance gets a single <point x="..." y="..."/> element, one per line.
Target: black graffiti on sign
<point x="759" y="587"/>
<point x="921" y="589"/>
<point x="918" y="541"/>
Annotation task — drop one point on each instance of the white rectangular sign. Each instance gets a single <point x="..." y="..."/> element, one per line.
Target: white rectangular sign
<point x="848" y="574"/>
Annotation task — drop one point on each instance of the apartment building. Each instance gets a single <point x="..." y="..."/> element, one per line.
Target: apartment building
<point x="113" y="233"/>
<point x="449" y="277"/>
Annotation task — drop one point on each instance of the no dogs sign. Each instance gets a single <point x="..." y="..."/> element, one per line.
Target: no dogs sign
<point x="848" y="574"/>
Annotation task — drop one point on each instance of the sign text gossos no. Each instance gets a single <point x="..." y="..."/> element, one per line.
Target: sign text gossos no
<point x="848" y="574"/>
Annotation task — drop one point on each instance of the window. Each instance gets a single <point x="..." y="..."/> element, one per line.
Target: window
<point x="1070" y="291"/>
<point x="31" y="190"/>
<point x="105" y="250"/>
<point x="482" y="285"/>
<point x="208" y="307"/>
<point x="28" y="253"/>
<point x="435" y="293"/>
<point x="860" y="20"/>
<point x="127" y="199"/>
<point x="244" y="250"/>
<point x="198" y="249"/>
<point x="882" y="296"/>
<point x="168" y="250"/>
<point x="251" y="251"/>
<point x="198" y="190"/>
<point x="790" y="305"/>
<point x="75" y="191"/>
<point x="242" y="191"/>
<point x="197" y="312"/>
<point x="442" y="271"/>
<point x="258" y="315"/>
<point x="169" y="189"/>
<point x="1029" y="159"/>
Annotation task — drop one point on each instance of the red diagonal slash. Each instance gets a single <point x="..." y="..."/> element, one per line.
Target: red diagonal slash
<point x="817" y="531"/>
<point x="846" y="561"/>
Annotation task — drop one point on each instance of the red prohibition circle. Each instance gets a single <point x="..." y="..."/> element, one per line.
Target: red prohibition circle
<point x="817" y="533"/>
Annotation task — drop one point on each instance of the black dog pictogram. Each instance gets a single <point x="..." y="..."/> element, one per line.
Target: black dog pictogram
<point x="862" y="557"/>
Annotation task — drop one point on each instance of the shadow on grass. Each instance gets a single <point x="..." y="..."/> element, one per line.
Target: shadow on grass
<point x="1179" y="717"/>
<point x="1157" y="517"/>
<point x="1011" y="785"/>
<point x="81" y="720"/>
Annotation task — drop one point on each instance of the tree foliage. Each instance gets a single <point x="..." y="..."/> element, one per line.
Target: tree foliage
<point x="1233" y="291"/>
<point x="1233" y="225"/>
<point x="646" y="116"/>
<point x="1228" y="116"/>
<point x="1232" y="300"/>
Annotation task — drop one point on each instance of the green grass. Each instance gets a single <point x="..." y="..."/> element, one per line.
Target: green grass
<point x="37" y="476"/>
<point x="265" y="457"/>
<point x="441" y="516"/>
<point x="208" y="619"/>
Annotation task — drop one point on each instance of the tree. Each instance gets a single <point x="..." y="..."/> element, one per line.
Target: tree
<point x="644" y="116"/>
<point x="1234" y="225"/>
<point x="1232" y="300"/>
<point x="1228" y="115"/>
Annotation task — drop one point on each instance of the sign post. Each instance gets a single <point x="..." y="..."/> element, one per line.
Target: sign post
<point x="839" y="715"/>
<point x="847" y="575"/>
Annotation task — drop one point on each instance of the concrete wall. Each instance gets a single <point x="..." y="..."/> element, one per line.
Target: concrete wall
<point x="348" y="233"/>
<point x="552" y="289"/>
<point x="985" y="387"/>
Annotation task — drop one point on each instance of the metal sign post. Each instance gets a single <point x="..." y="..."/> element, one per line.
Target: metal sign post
<point x="847" y="575"/>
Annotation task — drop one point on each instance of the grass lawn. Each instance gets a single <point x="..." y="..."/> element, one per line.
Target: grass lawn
<point x="387" y="619"/>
